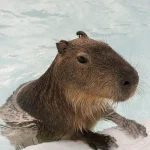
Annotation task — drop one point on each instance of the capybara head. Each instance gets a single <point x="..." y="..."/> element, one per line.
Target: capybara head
<point x="94" y="68"/>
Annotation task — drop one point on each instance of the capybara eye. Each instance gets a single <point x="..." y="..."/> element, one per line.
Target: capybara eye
<point x="82" y="59"/>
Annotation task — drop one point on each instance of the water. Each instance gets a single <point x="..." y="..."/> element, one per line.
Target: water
<point x="29" y="30"/>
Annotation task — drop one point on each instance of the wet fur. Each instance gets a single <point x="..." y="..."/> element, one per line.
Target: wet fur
<point x="74" y="109"/>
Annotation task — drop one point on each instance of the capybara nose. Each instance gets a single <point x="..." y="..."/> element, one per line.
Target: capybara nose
<point x="129" y="79"/>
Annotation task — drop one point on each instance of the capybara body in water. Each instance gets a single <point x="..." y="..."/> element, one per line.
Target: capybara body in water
<point x="74" y="94"/>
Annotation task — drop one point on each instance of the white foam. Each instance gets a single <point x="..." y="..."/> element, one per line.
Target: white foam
<point x="125" y="142"/>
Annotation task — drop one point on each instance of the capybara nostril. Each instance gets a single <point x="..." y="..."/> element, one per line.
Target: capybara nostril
<point x="130" y="81"/>
<point x="127" y="83"/>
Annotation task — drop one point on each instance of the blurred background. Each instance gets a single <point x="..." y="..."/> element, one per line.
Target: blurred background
<point x="29" y="30"/>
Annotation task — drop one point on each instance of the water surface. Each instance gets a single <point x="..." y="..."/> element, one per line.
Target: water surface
<point x="29" y="30"/>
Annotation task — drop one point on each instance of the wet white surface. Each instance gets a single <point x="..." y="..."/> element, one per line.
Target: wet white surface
<point x="124" y="141"/>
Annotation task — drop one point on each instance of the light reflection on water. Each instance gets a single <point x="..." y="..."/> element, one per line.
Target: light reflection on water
<point x="29" y="30"/>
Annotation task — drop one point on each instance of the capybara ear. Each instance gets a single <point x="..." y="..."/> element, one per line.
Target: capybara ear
<point x="62" y="46"/>
<point x="82" y="34"/>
